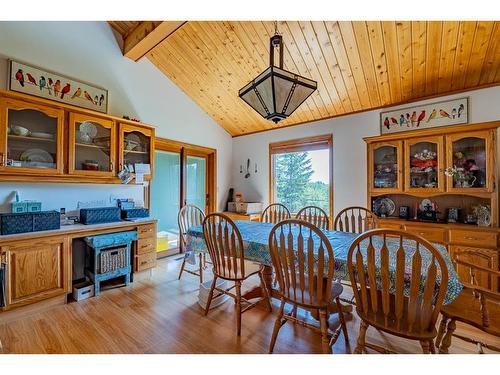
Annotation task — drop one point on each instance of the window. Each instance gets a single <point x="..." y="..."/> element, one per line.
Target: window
<point x="301" y="173"/>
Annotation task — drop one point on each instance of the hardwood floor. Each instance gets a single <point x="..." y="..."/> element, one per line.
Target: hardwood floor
<point x="161" y="315"/>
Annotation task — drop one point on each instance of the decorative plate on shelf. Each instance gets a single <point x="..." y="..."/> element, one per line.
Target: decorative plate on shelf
<point x="383" y="206"/>
<point x="36" y="155"/>
<point x="88" y="128"/>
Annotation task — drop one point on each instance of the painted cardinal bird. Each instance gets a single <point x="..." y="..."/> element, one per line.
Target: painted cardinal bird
<point x="57" y="87"/>
<point x="88" y="97"/>
<point x="386" y="122"/>
<point x="51" y="82"/>
<point x="460" y="110"/>
<point x="65" y="90"/>
<point x="31" y="79"/>
<point x="432" y="115"/>
<point x="42" y="83"/>
<point x="421" y="116"/>
<point x="413" y="118"/>
<point x="20" y="77"/>
<point x="444" y="113"/>
<point x="101" y="100"/>
<point x="394" y="121"/>
<point x="77" y="93"/>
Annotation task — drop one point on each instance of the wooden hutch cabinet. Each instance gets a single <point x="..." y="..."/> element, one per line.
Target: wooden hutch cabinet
<point x="46" y="141"/>
<point x="422" y="157"/>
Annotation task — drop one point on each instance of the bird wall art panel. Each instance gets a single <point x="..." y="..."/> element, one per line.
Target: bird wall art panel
<point x="49" y="85"/>
<point x="433" y="115"/>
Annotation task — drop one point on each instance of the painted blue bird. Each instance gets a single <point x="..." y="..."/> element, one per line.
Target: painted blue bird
<point x="42" y="83"/>
<point x="401" y="120"/>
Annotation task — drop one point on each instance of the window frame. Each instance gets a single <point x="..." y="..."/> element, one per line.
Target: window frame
<point x="319" y="142"/>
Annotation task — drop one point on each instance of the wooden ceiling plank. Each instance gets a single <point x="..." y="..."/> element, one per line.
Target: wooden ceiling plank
<point x="492" y="60"/>
<point x="337" y="43"/>
<point x="419" y="56"/>
<point x="306" y="33"/>
<point x="225" y="83"/>
<point x="146" y="36"/>
<point x="434" y="31"/>
<point x="168" y="62"/>
<point x="392" y="54"/>
<point x="354" y="60"/>
<point x="478" y="54"/>
<point x="205" y="81"/>
<point x="467" y="30"/>
<point x="264" y="30"/>
<point x="379" y="58"/>
<point x="448" y="53"/>
<point x="300" y="52"/>
<point x="403" y="31"/>
<point x="333" y="66"/>
<point x="365" y="54"/>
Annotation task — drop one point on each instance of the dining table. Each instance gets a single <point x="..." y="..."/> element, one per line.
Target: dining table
<point x="255" y="236"/>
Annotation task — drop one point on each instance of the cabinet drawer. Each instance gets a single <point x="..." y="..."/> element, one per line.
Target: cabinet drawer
<point x="146" y="245"/>
<point x="430" y="234"/>
<point x="473" y="238"/>
<point x="146" y="231"/>
<point x="145" y="261"/>
<point x="386" y="225"/>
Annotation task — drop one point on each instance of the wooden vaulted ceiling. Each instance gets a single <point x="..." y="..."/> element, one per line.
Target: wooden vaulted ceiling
<point x="358" y="65"/>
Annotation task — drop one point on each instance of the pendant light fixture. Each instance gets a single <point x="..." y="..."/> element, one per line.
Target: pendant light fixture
<point x="276" y="93"/>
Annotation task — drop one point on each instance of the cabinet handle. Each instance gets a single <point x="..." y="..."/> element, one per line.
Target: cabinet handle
<point x="471" y="238"/>
<point x="111" y="165"/>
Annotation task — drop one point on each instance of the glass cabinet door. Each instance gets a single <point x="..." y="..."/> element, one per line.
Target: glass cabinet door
<point x="468" y="161"/>
<point x="386" y="166"/>
<point x="92" y="145"/>
<point x="136" y="146"/>
<point x="424" y="164"/>
<point x="33" y="142"/>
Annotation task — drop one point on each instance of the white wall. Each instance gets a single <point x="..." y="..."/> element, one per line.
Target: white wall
<point x="89" y="51"/>
<point x="349" y="149"/>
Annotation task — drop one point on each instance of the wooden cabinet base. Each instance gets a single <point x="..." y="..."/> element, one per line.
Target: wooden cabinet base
<point x="21" y="312"/>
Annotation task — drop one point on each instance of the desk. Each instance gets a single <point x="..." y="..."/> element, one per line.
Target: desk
<point x="39" y="264"/>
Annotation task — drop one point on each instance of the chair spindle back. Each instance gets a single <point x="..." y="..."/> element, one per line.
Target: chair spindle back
<point x="314" y="215"/>
<point x="274" y="213"/>
<point x="189" y="216"/>
<point x="355" y="220"/>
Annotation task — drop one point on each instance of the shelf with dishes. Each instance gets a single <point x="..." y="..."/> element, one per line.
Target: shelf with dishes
<point x="31" y="138"/>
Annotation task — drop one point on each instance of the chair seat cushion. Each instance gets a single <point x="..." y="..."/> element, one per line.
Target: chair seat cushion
<point x="467" y="308"/>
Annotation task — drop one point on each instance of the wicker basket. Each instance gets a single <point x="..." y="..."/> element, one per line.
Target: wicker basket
<point x="113" y="259"/>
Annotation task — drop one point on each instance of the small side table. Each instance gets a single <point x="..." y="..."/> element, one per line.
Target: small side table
<point x="111" y="257"/>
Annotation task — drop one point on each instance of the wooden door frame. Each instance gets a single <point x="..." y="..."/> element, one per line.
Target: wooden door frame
<point x="184" y="149"/>
<point x="317" y="142"/>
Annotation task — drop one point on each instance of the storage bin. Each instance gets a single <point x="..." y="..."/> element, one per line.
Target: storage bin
<point x="205" y="289"/>
<point x="83" y="291"/>
<point x="18" y="207"/>
<point x="99" y="215"/>
<point x="46" y="220"/>
<point x="29" y="222"/>
<point x="248" y="207"/>
<point x="113" y="259"/>
<point x="134" y="213"/>
<point x="33" y="206"/>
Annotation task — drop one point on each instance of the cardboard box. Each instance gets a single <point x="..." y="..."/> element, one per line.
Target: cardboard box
<point x="248" y="207"/>
<point x="83" y="291"/>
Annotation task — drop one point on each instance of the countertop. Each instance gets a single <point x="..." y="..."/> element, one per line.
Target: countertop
<point x="76" y="230"/>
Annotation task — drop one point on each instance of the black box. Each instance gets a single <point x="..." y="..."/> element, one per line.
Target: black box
<point x="135" y="213"/>
<point x="99" y="215"/>
<point x="29" y="222"/>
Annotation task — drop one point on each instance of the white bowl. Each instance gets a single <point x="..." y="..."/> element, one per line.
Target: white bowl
<point x="19" y="130"/>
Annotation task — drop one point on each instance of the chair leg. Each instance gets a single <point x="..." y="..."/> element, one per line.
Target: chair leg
<point x="441" y="330"/>
<point x="210" y="295"/>
<point x="445" y="344"/>
<point x="342" y="320"/>
<point x="425" y="347"/>
<point x="201" y="268"/>
<point x="277" y="326"/>
<point x="238" y="307"/>
<point x="182" y="267"/>
<point x="432" y="347"/>
<point x="323" y="322"/>
<point x="361" y="338"/>
<point x="266" y="292"/>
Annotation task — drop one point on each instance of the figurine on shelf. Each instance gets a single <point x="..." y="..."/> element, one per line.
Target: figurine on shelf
<point x="483" y="215"/>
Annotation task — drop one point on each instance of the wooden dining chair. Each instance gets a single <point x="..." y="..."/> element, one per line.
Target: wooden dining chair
<point x="225" y="246"/>
<point x="476" y="306"/>
<point x="274" y="213"/>
<point x="355" y="220"/>
<point x="314" y="215"/>
<point x="303" y="262"/>
<point x="190" y="216"/>
<point x="390" y="297"/>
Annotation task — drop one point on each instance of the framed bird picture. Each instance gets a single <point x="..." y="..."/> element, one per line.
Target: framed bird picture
<point x="433" y="115"/>
<point x="54" y="86"/>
